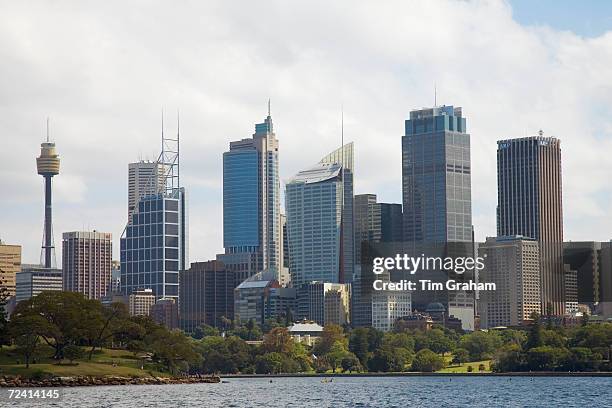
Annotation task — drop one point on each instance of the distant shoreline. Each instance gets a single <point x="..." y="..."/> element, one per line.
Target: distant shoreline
<point x="418" y="374"/>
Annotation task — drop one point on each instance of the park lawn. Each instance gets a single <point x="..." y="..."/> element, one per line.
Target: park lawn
<point x="463" y="367"/>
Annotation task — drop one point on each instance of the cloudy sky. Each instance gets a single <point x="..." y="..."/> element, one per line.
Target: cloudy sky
<point x="103" y="71"/>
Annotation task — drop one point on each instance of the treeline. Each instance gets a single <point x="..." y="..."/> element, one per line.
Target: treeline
<point x="68" y="324"/>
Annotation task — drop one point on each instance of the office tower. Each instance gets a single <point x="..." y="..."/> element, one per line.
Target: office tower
<point x="529" y="204"/>
<point x="86" y="262"/>
<point x="144" y="178"/>
<point x="280" y="303"/>
<point x="367" y="223"/>
<point x="391" y="222"/>
<point x="48" y="165"/>
<point x="436" y="176"/>
<point x="388" y="306"/>
<point x="140" y="302"/>
<point x="165" y="312"/>
<point x="251" y="203"/>
<point x="35" y="279"/>
<point x="324" y="303"/>
<point x="584" y="258"/>
<point x="513" y="264"/>
<point x="345" y="157"/>
<point x="437" y="204"/>
<point x="10" y="265"/>
<point x="605" y="280"/>
<point x="206" y="295"/>
<point x="155" y="242"/>
<point x="319" y="205"/>
<point x="250" y="298"/>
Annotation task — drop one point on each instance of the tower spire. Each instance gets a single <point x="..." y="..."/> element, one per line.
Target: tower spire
<point x="269" y="110"/>
<point x="47" y="129"/>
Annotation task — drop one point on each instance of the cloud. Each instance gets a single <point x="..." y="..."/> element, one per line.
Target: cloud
<point x="103" y="72"/>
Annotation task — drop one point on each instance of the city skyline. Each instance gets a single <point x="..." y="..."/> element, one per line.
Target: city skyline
<point x="97" y="133"/>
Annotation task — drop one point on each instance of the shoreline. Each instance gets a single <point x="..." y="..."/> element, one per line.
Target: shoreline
<point x="92" y="381"/>
<point x="421" y="374"/>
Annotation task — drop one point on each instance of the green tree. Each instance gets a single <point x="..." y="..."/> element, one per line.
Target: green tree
<point x="173" y="349"/>
<point x="270" y="363"/>
<point x="535" y="333"/>
<point x="350" y="363"/>
<point x="427" y="361"/>
<point x="278" y="340"/>
<point x="546" y="358"/>
<point x="388" y="359"/>
<point x="73" y="352"/>
<point x="336" y="353"/>
<point x="331" y="334"/>
<point x="480" y="345"/>
<point x="26" y="332"/>
<point x="460" y="356"/>
<point x="4" y="326"/>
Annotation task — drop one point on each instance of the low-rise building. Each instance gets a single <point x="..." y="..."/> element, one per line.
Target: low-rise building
<point x="306" y="332"/>
<point x="140" y="302"/>
<point x="165" y="312"/>
<point x="35" y="279"/>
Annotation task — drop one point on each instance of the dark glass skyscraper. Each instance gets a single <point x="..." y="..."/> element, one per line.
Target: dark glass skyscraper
<point x="436" y="176"/>
<point x="529" y="204"/>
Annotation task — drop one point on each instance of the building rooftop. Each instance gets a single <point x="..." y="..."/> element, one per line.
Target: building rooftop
<point x="305" y="327"/>
<point x="319" y="172"/>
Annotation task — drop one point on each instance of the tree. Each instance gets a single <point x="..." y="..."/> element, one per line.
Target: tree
<point x="26" y="332"/>
<point x="331" y="334"/>
<point x="480" y="344"/>
<point x="427" y="361"/>
<point x="270" y="363"/>
<point x="72" y="352"/>
<point x="336" y="353"/>
<point x="386" y="359"/>
<point x="104" y="322"/>
<point x="278" y="340"/>
<point x="172" y="349"/>
<point x="460" y="356"/>
<point x="546" y="358"/>
<point x="534" y="339"/>
<point x="350" y="362"/>
<point x="4" y="331"/>
<point x="399" y="340"/>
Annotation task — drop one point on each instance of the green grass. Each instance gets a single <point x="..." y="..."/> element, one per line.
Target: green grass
<point x="463" y="368"/>
<point x="105" y="362"/>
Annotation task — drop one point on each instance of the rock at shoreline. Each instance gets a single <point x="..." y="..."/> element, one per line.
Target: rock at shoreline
<point x="14" y="382"/>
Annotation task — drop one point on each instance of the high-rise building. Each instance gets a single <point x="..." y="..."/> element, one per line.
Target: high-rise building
<point x="284" y="275"/>
<point x="367" y="222"/>
<point x="320" y="233"/>
<point x="86" y="262"/>
<point x="140" y="302"/>
<point x="250" y="298"/>
<point x="206" y="295"/>
<point x="391" y="222"/>
<point x="605" y="279"/>
<point x="35" y="279"/>
<point x="324" y="302"/>
<point x="48" y="165"/>
<point x="154" y="246"/>
<point x="165" y="312"/>
<point x="144" y="178"/>
<point x="436" y="176"/>
<point x="513" y="265"/>
<point x="251" y="203"/>
<point x="280" y="303"/>
<point x="115" y="281"/>
<point x="585" y="259"/>
<point x="529" y="204"/>
<point x="437" y="203"/>
<point x="10" y="265"/>
<point x="571" y="289"/>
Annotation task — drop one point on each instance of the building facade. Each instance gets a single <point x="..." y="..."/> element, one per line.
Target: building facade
<point x="10" y="265"/>
<point x="388" y="307"/>
<point x="206" y="295"/>
<point x="529" y="203"/>
<point x="154" y="245"/>
<point x="144" y="178"/>
<point x="513" y="265"/>
<point x="86" y="262"/>
<point x="250" y="298"/>
<point x="35" y="279"/>
<point x="251" y="202"/>
<point x="140" y="302"/>
<point x="324" y="303"/>
<point x="165" y="312"/>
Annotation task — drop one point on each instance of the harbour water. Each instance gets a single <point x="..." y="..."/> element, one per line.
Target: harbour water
<point x="351" y="392"/>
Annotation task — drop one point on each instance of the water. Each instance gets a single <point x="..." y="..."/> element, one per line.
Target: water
<point x="353" y="392"/>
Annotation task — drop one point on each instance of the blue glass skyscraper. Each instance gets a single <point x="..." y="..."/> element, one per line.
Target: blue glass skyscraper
<point x="251" y="204"/>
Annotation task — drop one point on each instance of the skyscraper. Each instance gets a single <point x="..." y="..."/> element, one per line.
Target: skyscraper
<point x="314" y="225"/>
<point x="436" y="176"/>
<point x="144" y="178"/>
<point x="86" y="262"/>
<point x="48" y="165"/>
<point x="155" y="242"/>
<point x="251" y="203"/>
<point x="529" y="204"/>
<point x="35" y="279"/>
<point x="437" y="203"/>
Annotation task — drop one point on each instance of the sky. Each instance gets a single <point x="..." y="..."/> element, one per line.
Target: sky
<point x="103" y="72"/>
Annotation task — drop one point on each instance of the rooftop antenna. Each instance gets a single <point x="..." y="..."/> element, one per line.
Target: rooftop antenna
<point x="47" y="129"/>
<point x="269" y="107"/>
<point x="435" y="95"/>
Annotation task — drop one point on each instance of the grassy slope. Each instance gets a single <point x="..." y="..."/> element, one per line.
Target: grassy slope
<point x="463" y="368"/>
<point x="100" y="365"/>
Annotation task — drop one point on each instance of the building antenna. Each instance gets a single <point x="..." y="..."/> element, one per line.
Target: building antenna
<point x="435" y="95"/>
<point x="269" y="114"/>
<point x="47" y="129"/>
